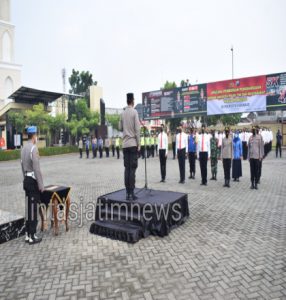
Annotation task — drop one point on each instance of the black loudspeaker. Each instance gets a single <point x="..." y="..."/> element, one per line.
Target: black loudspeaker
<point x="102" y="112"/>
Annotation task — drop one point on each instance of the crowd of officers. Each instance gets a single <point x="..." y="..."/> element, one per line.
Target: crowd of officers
<point x="230" y="146"/>
<point x="98" y="146"/>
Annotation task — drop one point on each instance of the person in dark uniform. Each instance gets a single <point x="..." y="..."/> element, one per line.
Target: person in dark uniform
<point x="129" y="123"/>
<point x="113" y="146"/>
<point x="33" y="184"/>
<point x="244" y="140"/>
<point x="226" y="156"/>
<point x="87" y="147"/>
<point x="278" y="143"/>
<point x="255" y="154"/>
<point x="237" y="156"/>
<point x="100" y="146"/>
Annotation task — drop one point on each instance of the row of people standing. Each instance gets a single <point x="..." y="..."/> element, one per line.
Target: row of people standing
<point x="98" y="145"/>
<point x="226" y="146"/>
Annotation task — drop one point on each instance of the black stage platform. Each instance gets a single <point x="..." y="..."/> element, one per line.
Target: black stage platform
<point x="154" y="212"/>
<point x="11" y="226"/>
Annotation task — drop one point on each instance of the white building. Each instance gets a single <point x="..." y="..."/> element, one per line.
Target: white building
<point x="10" y="72"/>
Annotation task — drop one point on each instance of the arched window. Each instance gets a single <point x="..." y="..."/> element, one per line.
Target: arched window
<point x="9" y="87"/>
<point x="6" y="47"/>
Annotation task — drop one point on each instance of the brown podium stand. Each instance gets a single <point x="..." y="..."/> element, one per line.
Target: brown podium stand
<point x="57" y="198"/>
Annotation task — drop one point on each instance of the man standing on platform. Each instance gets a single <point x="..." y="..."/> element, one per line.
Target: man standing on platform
<point x="214" y="155"/>
<point x="203" y="154"/>
<point x="163" y="152"/>
<point x="182" y="149"/>
<point x="130" y="125"/>
<point x="33" y="184"/>
<point x="255" y="154"/>
<point x="192" y="148"/>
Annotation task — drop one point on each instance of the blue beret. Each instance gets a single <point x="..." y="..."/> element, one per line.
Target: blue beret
<point x="32" y="129"/>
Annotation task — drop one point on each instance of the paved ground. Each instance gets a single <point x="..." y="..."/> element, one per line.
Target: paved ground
<point x="232" y="247"/>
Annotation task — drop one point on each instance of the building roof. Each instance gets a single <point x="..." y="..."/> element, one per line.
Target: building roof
<point x="33" y="96"/>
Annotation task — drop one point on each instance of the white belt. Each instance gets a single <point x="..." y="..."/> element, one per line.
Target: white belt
<point x="30" y="174"/>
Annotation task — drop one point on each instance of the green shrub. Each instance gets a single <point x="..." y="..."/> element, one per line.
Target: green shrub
<point x="48" y="151"/>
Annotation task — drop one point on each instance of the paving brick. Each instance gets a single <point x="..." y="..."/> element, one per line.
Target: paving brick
<point x="232" y="246"/>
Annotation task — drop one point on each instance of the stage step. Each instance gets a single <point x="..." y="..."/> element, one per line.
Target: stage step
<point x="118" y="230"/>
<point x="120" y="215"/>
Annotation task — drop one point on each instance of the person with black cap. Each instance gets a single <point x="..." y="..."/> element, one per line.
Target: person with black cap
<point x="203" y="153"/>
<point x="33" y="184"/>
<point x="226" y="156"/>
<point x="129" y="123"/>
<point x="163" y="152"/>
<point x="255" y="155"/>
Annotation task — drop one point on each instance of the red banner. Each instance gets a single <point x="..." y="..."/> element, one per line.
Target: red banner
<point x="237" y="88"/>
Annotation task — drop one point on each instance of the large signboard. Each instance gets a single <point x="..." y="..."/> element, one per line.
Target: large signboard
<point x="177" y="102"/>
<point x="236" y="96"/>
<point x="276" y="91"/>
<point x="251" y="94"/>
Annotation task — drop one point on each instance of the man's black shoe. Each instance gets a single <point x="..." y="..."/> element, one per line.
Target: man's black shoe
<point x="34" y="240"/>
<point x="133" y="197"/>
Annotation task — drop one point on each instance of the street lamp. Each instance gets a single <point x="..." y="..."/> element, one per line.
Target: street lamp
<point x="231" y="49"/>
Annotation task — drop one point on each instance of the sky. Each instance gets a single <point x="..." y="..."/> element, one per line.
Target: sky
<point x="136" y="45"/>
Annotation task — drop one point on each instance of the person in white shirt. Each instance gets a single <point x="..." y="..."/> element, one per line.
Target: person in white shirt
<point x="163" y="152"/>
<point x="203" y="154"/>
<point x="181" y="150"/>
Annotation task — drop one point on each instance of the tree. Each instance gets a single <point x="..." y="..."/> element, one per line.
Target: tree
<point x="17" y="119"/>
<point x="184" y="83"/>
<point x="38" y="116"/>
<point x="80" y="83"/>
<point x="169" y="85"/>
<point x="55" y="125"/>
<point x="113" y="120"/>
<point x="82" y="110"/>
<point x="226" y="120"/>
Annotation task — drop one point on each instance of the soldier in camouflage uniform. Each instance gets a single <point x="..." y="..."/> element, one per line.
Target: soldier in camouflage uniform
<point x="214" y="155"/>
